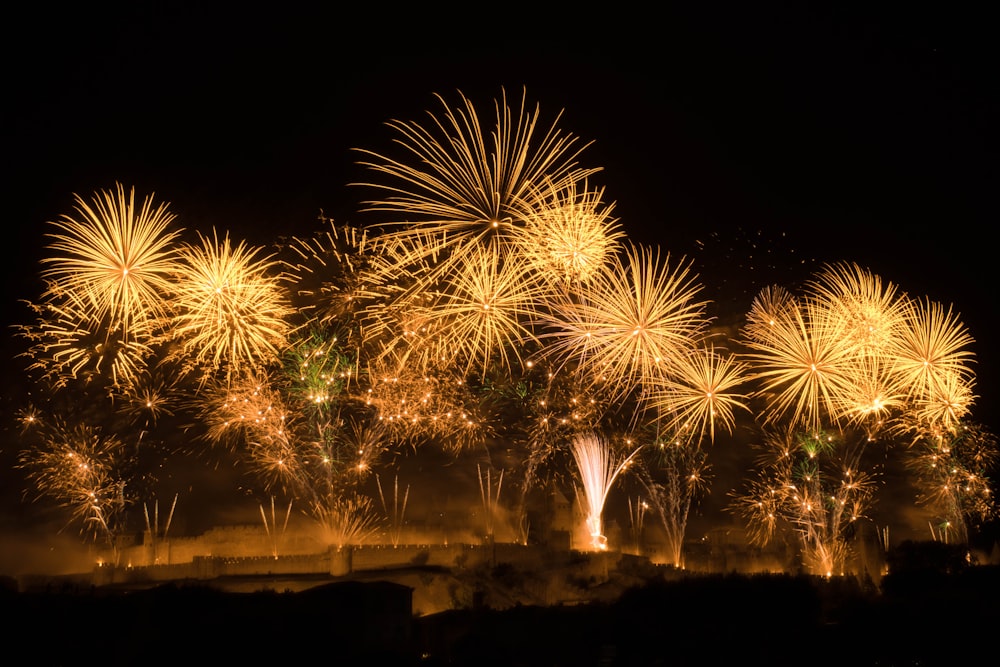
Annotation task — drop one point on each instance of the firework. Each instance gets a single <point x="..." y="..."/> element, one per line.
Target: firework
<point x="343" y="521"/>
<point x="490" y="497"/>
<point x="571" y="239"/>
<point x="154" y="531"/>
<point x="772" y="305"/>
<point x="628" y="328"/>
<point x="115" y="259"/>
<point x="637" y="518"/>
<point x="802" y="361"/>
<point x="700" y="393"/>
<point x="598" y="467"/>
<point x="951" y="469"/>
<point x="675" y="476"/>
<point x="320" y="369"/>
<point x="932" y="357"/>
<point x="481" y="313"/>
<point x="230" y="311"/>
<point x="869" y="311"/>
<point x="814" y="486"/>
<point x="417" y="405"/>
<point x="68" y="344"/>
<point x="396" y="514"/>
<point x="83" y="471"/>
<point x="331" y="273"/>
<point x="274" y="534"/>
<point x="460" y="185"/>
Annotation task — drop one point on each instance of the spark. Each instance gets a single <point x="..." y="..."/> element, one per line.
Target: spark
<point x="598" y="467"/>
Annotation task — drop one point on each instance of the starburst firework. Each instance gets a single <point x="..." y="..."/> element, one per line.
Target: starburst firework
<point x="457" y="185"/>
<point x="231" y="312"/>
<point x="932" y="356"/>
<point x="114" y="259"/>
<point x="802" y="360"/>
<point x="106" y="287"/>
<point x="572" y="238"/>
<point x="870" y="311"/>
<point x="464" y="184"/>
<point x="628" y="328"/>
<point x="481" y="314"/>
<point x="700" y="393"/>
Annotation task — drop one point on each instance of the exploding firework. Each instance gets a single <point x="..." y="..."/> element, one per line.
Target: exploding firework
<point x="628" y="328"/>
<point x="598" y="466"/>
<point x="854" y="353"/>
<point x="107" y="280"/>
<point x="231" y="312"/>
<point x="571" y="239"/>
<point x="870" y="312"/>
<point x="459" y="185"/>
<point x="115" y="259"/>
<point x="69" y="345"/>
<point x="802" y="360"/>
<point x="932" y="359"/>
<point x="481" y="314"/>
<point x="700" y="394"/>
<point x="331" y="273"/>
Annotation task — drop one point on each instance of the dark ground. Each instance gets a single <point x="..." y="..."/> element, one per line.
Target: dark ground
<point x="932" y="610"/>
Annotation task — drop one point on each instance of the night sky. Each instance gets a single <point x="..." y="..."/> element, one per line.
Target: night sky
<point x="758" y="143"/>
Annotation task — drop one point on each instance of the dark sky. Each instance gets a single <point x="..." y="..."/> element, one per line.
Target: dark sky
<point x="777" y="140"/>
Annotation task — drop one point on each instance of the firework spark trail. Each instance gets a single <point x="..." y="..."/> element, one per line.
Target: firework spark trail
<point x="951" y="469"/>
<point x="637" y="516"/>
<point x="681" y="476"/>
<point x="271" y="529"/>
<point x="490" y="498"/>
<point x="598" y="467"/>
<point x="397" y="513"/>
<point x="343" y="521"/>
<point x="814" y="485"/>
<point x="156" y="534"/>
